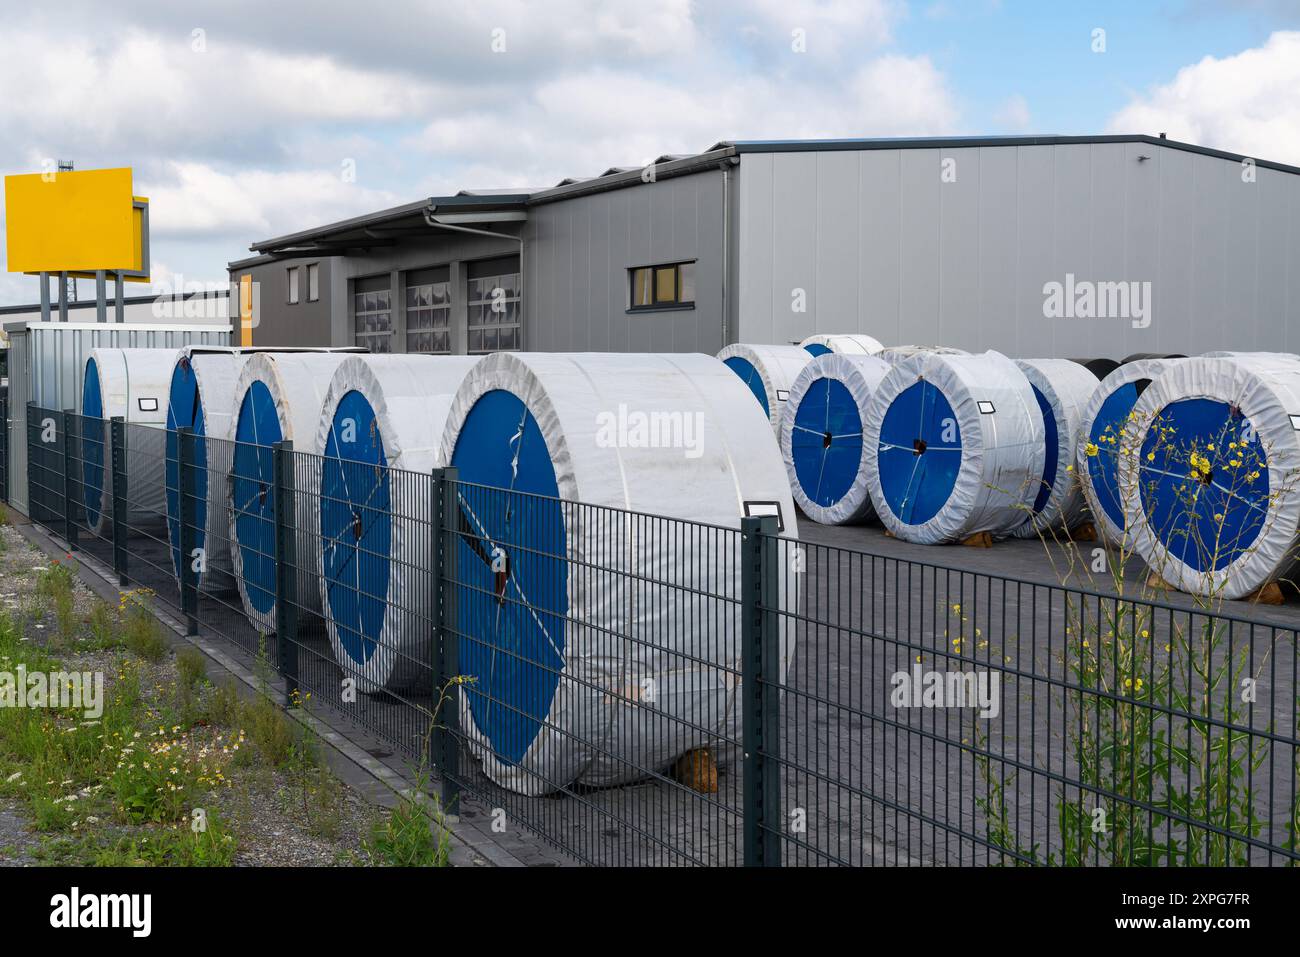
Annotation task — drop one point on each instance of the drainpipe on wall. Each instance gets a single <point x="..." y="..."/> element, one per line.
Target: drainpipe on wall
<point x="726" y="166"/>
<point x="431" y="219"/>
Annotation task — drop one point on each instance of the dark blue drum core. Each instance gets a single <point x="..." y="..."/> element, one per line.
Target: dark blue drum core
<point x="252" y="494"/>
<point x="1104" y="435"/>
<point x="826" y="441"/>
<point x="93" y="476"/>
<point x="920" y="453"/>
<point x="356" y="526"/>
<point x="513" y="603"/>
<point x="816" y="349"/>
<point x="1204" y="482"/>
<point x="1051" y="457"/>
<point x="749" y="375"/>
<point x="185" y="410"/>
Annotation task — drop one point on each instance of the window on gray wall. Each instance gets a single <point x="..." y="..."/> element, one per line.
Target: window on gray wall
<point x="428" y="310"/>
<point x="293" y="284"/>
<point x="313" y="282"/>
<point x="665" y="286"/>
<point x="372" y="314"/>
<point x="495" y="307"/>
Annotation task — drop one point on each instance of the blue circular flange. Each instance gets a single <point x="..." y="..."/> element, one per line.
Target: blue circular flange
<point x="816" y="349"/>
<point x="92" y="444"/>
<point x="512" y="563"/>
<point x="252" y="493"/>
<point x="356" y="525"/>
<point x="826" y="441"/>
<point x="1206" y="518"/>
<point x="1104" y="433"/>
<point x="749" y="375"/>
<point x="185" y="410"/>
<point x="920" y="453"/>
<point x="1051" y="451"/>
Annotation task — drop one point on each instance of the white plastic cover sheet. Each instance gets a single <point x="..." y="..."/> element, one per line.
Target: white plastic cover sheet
<point x="410" y="396"/>
<point x="1098" y="448"/>
<point x="893" y="354"/>
<point x="657" y="623"/>
<point x="998" y="439"/>
<point x="133" y="384"/>
<point x="297" y="382"/>
<point x="774" y="368"/>
<point x="844" y="343"/>
<point x="859" y="375"/>
<point x="1066" y="386"/>
<point x="216" y="372"/>
<point x="1240" y="527"/>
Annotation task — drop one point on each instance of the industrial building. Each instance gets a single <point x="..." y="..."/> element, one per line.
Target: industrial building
<point x="1035" y="246"/>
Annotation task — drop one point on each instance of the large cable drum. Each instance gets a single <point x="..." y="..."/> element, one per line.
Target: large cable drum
<point x="958" y="444"/>
<point x="847" y="343"/>
<point x="892" y="354"/>
<point x="380" y="430"/>
<point x="768" y="371"/>
<point x="572" y="668"/>
<point x="1105" y="421"/>
<point x="199" y="399"/>
<point x="1062" y="388"/>
<point x="1213" y="465"/>
<point x="277" y="398"/>
<point x="821" y="437"/>
<point x="131" y="383"/>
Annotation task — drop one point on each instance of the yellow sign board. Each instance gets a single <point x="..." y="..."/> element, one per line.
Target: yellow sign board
<point x="139" y="229"/>
<point x="80" y="220"/>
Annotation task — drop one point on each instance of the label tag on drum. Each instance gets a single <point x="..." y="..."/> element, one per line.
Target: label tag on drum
<point x="986" y="407"/>
<point x="761" y="509"/>
<point x="148" y="405"/>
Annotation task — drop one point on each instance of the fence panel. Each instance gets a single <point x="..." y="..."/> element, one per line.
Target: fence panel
<point x="638" y="689"/>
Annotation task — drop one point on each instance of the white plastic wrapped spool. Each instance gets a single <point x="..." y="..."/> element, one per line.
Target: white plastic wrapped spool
<point x="845" y="344"/>
<point x="768" y="371"/>
<point x="198" y="398"/>
<point x="595" y="676"/>
<point x="892" y="354"/>
<point x="822" y="443"/>
<point x="371" y="528"/>
<point x="133" y="384"/>
<point x="958" y="446"/>
<point x="1098" y="449"/>
<point x="1062" y="388"/>
<point x="277" y="398"/>
<point x="1212" y="473"/>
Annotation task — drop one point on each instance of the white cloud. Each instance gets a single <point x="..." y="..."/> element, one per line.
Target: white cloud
<point x="197" y="200"/>
<point x="244" y="139"/>
<point x="1245" y="103"/>
<point x="1013" y="114"/>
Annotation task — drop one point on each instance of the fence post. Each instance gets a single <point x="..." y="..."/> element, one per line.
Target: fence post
<point x="68" y="449"/>
<point x="5" y="441"/>
<point x="760" y="672"/>
<point x="117" y="466"/>
<point x="445" y="743"/>
<point x="286" y="569"/>
<point x="186" y="496"/>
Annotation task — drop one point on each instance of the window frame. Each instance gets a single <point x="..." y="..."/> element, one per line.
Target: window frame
<point x="388" y="336"/>
<point x="293" y="286"/>
<point x="313" y="278"/>
<point x="675" y="304"/>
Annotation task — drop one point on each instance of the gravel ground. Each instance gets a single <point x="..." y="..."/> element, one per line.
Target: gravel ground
<point x="263" y="807"/>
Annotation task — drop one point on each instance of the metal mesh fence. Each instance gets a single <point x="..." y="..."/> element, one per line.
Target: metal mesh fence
<point x="641" y="690"/>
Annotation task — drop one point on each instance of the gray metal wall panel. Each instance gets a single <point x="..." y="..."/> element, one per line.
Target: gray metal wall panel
<point x="919" y="237"/>
<point x="580" y="250"/>
<point x="907" y="258"/>
<point x="958" y="269"/>
<point x="879" y="255"/>
<point x="17" y="444"/>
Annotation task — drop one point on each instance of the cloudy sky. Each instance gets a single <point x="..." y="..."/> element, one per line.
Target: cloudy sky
<point x="244" y="120"/>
